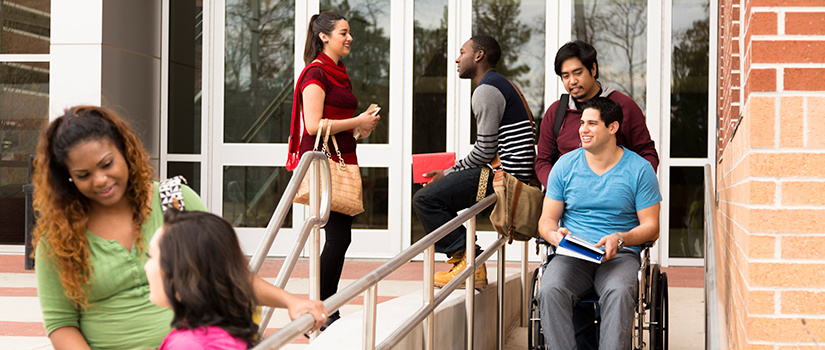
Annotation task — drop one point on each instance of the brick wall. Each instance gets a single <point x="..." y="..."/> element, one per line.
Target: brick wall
<point x="770" y="220"/>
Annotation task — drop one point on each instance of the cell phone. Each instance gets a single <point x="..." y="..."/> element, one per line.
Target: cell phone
<point x="378" y="109"/>
<point x="372" y="106"/>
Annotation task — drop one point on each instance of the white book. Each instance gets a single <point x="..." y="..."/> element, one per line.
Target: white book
<point x="579" y="248"/>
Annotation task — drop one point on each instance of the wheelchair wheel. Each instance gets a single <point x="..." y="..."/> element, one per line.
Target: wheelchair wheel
<point x="535" y="339"/>
<point x="658" y="310"/>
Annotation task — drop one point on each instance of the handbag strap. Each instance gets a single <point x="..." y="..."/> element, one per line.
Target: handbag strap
<point x="483" y="179"/>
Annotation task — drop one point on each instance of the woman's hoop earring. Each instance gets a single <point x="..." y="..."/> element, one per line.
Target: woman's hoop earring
<point x="326" y="41"/>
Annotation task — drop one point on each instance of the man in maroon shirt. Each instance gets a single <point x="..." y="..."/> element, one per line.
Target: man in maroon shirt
<point x="577" y="66"/>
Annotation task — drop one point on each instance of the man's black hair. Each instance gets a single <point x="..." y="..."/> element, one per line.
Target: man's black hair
<point x="609" y="110"/>
<point x="486" y="43"/>
<point x="581" y="50"/>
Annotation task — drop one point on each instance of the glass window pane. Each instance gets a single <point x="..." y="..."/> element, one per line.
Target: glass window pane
<point x="185" y="52"/>
<point x="519" y="29"/>
<point x="250" y="194"/>
<point x="25" y="26"/>
<point x="190" y="170"/>
<point x="368" y="64"/>
<point x="689" y="86"/>
<point x="687" y="212"/>
<point x="429" y="85"/>
<point x="24" y="107"/>
<point x="258" y="71"/>
<point x="376" y="194"/>
<point x="618" y="31"/>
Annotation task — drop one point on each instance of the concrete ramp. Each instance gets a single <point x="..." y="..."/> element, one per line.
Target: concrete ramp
<point x="449" y="329"/>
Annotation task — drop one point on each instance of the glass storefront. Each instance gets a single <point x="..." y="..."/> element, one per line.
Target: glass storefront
<point x="24" y="104"/>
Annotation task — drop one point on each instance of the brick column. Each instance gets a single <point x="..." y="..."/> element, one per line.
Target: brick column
<point x="770" y="219"/>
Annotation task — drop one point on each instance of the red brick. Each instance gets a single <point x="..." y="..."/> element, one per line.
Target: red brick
<point x="785" y="3"/>
<point x="761" y="80"/>
<point x="800" y="51"/>
<point x="805" y="23"/>
<point x="804" y="79"/>
<point x="763" y="23"/>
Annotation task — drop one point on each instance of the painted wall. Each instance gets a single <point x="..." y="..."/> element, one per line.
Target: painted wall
<point x="770" y="180"/>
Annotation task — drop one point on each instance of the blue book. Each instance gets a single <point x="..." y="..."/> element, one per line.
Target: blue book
<point x="576" y="247"/>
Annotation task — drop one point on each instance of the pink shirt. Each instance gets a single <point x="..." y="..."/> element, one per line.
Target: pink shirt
<point x="209" y="338"/>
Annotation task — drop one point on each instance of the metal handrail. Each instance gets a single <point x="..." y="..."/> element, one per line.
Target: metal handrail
<point x="320" y="200"/>
<point x="370" y="280"/>
<point x="714" y="319"/>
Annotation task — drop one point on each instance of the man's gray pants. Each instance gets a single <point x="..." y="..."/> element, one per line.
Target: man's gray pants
<point x="567" y="279"/>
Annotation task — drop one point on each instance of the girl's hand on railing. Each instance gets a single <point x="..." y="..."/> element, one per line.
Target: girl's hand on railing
<point x="298" y="306"/>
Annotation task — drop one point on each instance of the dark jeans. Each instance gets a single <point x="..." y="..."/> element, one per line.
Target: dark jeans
<point x="440" y="201"/>
<point x="338" y="232"/>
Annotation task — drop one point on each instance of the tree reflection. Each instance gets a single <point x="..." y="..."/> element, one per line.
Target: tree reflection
<point x="617" y="30"/>
<point x="689" y="92"/>
<point x="368" y="64"/>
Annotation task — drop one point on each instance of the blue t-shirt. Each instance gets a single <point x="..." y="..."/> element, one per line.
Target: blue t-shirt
<point x="596" y="206"/>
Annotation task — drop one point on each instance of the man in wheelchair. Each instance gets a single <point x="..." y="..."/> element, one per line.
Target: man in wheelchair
<point x="609" y="196"/>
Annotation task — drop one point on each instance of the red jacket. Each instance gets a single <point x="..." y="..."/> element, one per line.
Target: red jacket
<point x="633" y="133"/>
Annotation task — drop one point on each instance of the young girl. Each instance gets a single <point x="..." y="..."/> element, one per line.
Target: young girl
<point x="197" y="269"/>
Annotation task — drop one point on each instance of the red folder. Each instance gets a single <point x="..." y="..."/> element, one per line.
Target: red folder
<point x="427" y="162"/>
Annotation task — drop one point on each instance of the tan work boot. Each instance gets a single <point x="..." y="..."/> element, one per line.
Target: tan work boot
<point x="441" y="278"/>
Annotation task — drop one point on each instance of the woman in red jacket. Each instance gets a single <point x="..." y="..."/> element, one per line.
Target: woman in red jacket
<point x="324" y="91"/>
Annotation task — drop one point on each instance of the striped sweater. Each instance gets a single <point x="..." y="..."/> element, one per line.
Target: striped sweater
<point x="503" y="128"/>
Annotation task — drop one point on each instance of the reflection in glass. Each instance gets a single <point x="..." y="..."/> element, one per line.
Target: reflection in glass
<point x="518" y="26"/>
<point x="185" y="91"/>
<point x="258" y="71"/>
<point x="689" y="86"/>
<point x="368" y="64"/>
<point x="376" y="195"/>
<point x="687" y="213"/>
<point x="24" y="107"/>
<point x="250" y="194"/>
<point x="190" y="170"/>
<point x="429" y="85"/>
<point x="618" y="31"/>
<point x="25" y="27"/>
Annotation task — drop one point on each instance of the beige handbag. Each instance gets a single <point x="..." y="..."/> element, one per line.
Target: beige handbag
<point x="346" y="178"/>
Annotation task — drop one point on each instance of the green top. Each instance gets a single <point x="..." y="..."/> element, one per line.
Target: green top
<point x="121" y="315"/>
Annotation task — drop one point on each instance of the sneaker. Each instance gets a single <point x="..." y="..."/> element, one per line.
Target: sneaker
<point x="441" y="278"/>
<point x="332" y="318"/>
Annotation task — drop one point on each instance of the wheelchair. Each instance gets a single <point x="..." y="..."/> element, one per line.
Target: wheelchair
<point x="651" y="307"/>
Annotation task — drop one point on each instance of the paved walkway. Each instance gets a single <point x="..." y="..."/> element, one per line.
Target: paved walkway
<point x="21" y="322"/>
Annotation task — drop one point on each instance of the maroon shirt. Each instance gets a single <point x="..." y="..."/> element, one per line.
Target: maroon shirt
<point x="633" y="133"/>
<point x="339" y="103"/>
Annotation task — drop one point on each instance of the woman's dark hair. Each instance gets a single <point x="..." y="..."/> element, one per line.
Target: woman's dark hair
<point x="488" y="44"/>
<point x="585" y="52"/>
<point x="609" y="110"/>
<point x="205" y="274"/>
<point x="323" y="22"/>
<point x="62" y="210"/>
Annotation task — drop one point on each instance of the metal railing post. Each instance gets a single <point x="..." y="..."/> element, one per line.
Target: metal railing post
<point x="429" y="295"/>
<point x="500" y="296"/>
<point x="370" y="300"/>
<point x="469" y="285"/>
<point x="525" y="284"/>
<point x="315" y="238"/>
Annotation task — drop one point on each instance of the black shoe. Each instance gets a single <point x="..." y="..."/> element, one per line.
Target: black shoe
<point x="332" y="318"/>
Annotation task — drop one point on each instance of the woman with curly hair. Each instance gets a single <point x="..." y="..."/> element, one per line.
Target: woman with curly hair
<point x="197" y="269"/>
<point x="97" y="209"/>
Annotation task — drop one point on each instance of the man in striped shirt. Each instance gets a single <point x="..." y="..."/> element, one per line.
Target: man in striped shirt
<point x="504" y="128"/>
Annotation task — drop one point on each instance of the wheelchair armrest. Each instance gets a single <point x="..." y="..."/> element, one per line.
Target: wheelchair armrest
<point x="648" y="244"/>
